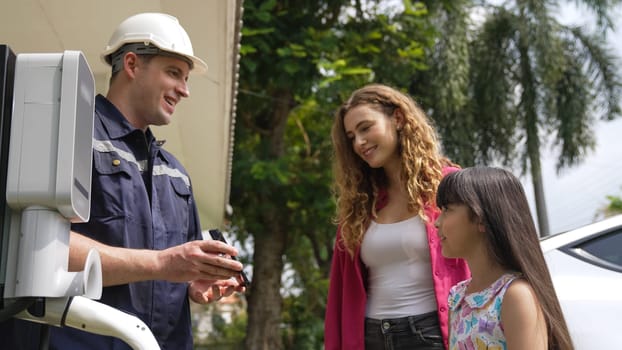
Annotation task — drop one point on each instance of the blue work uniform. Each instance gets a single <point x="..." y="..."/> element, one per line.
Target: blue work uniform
<point x="140" y="198"/>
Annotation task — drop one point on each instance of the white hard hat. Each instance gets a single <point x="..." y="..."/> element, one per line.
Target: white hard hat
<point x="158" y="29"/>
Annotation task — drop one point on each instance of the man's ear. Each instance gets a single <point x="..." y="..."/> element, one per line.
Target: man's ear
<point x="130" y="64"/>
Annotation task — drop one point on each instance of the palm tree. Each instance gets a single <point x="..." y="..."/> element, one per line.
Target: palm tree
<point x="524" y="80"/>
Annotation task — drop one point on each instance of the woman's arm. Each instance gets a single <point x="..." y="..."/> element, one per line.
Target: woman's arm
<point x="332" y="320"/>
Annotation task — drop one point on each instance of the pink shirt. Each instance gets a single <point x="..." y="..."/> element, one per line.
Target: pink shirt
<point x="344" y="326"/>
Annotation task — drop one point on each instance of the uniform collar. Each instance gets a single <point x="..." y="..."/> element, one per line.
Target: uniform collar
<point x="115" y="123"/>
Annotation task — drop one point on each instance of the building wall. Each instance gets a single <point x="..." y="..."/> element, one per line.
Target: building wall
<point x="200" y="135"/>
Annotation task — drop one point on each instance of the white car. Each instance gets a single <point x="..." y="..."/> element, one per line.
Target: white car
<point x="586" y="267"/>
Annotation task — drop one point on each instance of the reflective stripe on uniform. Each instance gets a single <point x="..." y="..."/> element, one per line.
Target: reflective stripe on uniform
<point x="107" y="147"/>
<point x="165" y="170"/>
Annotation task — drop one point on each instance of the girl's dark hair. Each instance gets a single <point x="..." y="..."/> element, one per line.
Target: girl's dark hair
<point x="496" y="198"/>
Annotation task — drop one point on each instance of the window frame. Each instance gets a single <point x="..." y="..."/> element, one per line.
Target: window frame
<point x="576" y="250"/>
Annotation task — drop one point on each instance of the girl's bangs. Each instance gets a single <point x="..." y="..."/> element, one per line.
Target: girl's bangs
<point x="448" y="191"/>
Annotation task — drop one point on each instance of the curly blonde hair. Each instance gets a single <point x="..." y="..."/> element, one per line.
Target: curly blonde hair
<point x="357" y="184"/>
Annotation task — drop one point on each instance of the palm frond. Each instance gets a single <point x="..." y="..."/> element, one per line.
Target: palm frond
<point x="493" y="87"/>
<point x="574" y="116"/>
<point x="602" y="69"/>
<point x="602" y="10"/>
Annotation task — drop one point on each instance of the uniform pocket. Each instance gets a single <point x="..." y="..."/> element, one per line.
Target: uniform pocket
<point x="109" y="163"/>
<point x="178" y="215"/>
<point x="112" y="184"/>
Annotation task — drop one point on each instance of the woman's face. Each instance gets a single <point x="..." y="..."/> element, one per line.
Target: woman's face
<point x="373" y="136"/>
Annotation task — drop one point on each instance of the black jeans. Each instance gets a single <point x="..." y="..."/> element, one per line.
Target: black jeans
<point x="420" y="332"/>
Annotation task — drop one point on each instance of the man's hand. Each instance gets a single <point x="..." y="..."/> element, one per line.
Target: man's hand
<point x="199" y="260"/>
<point x="207" y="291"/>
<point x="195" y="260"/>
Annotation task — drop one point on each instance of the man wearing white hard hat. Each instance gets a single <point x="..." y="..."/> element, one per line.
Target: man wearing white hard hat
<point x="144" y="220"/>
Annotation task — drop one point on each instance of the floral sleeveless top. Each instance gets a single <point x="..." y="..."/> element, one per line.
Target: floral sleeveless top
<point x="475" y="319"/>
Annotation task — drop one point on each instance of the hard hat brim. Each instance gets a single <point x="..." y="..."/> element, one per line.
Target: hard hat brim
<point x="199" y="66"/>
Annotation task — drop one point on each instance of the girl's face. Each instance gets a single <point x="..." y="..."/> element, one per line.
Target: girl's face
<point x="458" y="233"/>
<point x="373" y="136"/>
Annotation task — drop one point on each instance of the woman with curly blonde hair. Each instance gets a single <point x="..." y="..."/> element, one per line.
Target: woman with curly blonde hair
<point x="389" y="282"/>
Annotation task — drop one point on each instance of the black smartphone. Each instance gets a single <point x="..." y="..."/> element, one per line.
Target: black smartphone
<point x="218" y="236"/>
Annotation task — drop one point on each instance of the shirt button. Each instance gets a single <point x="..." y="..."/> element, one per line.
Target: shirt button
<point x="442" y="309"/>
<point x="116" y="162"/>
<point x="386" y="325"/>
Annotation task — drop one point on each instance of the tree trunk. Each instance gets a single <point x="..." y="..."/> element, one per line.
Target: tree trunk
<point x="529" y="101"/>
<point x="538" y="191"/>
<point x="265" y="302"/>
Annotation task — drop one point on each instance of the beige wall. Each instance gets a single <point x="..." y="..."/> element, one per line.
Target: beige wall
<point x="200" y="135"/>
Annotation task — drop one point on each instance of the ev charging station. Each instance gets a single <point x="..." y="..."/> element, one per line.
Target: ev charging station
<point x="46" y="140"/>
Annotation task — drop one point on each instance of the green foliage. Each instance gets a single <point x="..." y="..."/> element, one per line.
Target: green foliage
<point x="305" y="327"/>
<point x="504" y="82"/>
<point x="499" y="85"/>
<point x="614" y="207"/>
<point x="442" y="89"/>
<point x="224" y="336"/>
<point x="615" y="203"/>
<point x="300" y="60"/>
<point x="231" y="334"/>
<point x="492" y="89"/>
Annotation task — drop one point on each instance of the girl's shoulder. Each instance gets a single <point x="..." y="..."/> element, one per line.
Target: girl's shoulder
<point x="520" y="297"/>
<point x="482" y="298"/>
<point x="457" y="292"/>
<point x="522" y="316"/>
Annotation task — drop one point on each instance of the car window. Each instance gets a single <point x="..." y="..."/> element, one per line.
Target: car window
<point x="607" y="247"/>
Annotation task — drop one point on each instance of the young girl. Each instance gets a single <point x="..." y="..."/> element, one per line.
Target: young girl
<point x="389" y="282"/>
<point x="509" y="302"/>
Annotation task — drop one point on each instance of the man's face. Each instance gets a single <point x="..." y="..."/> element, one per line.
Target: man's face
<point x="160" y="83"/>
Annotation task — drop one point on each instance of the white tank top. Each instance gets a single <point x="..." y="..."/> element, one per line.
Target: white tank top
<point x="400" y="282"/>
